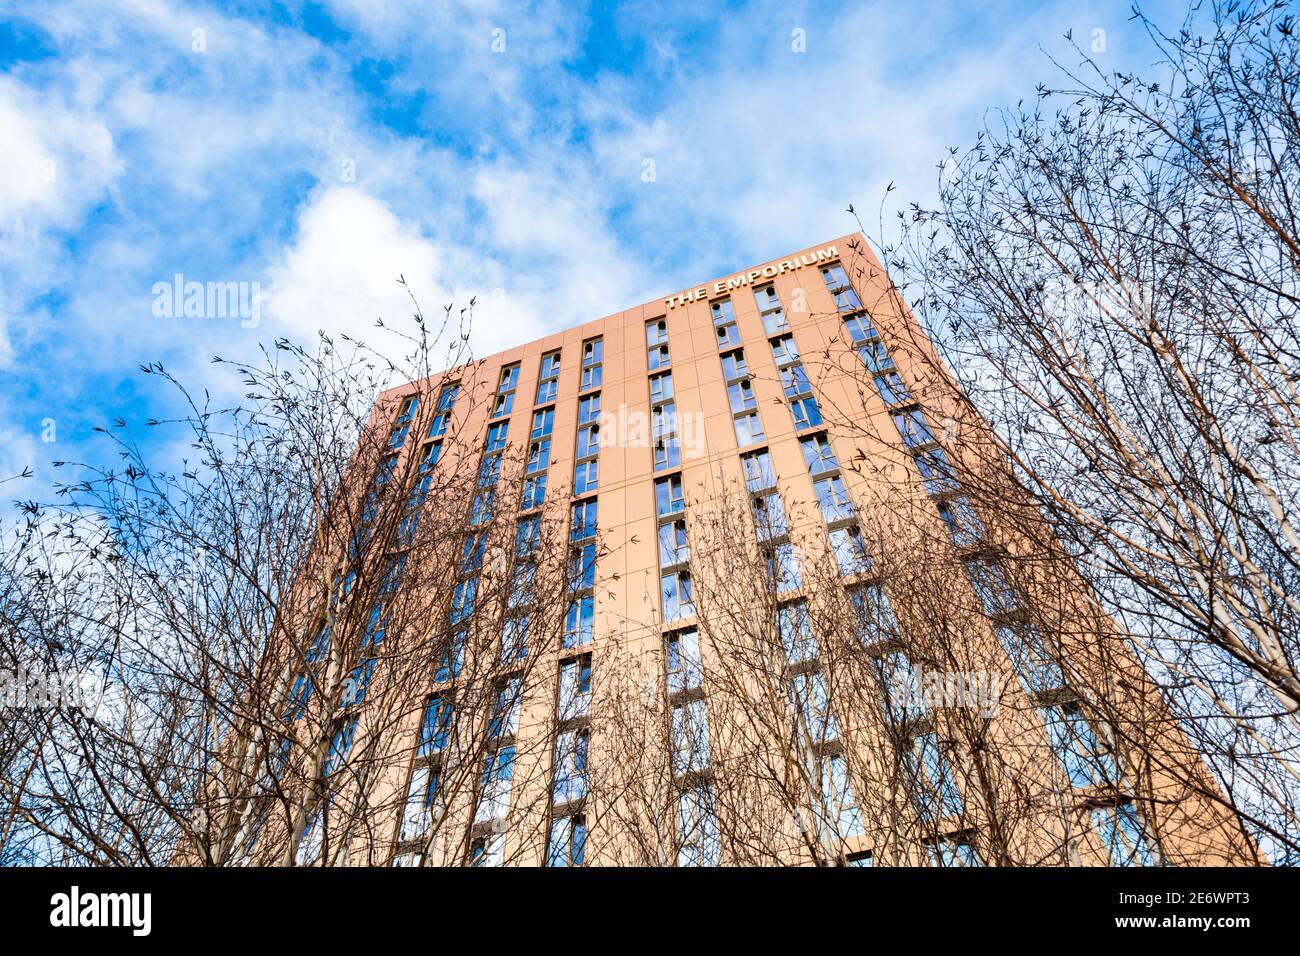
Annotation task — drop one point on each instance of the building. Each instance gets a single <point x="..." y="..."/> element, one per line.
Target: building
<point x="726" y="677"/>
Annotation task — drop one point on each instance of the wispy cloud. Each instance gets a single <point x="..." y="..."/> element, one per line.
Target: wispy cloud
<point x="557" y="164"/>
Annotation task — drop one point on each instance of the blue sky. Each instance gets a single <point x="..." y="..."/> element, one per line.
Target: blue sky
<point x="478" y="148"/>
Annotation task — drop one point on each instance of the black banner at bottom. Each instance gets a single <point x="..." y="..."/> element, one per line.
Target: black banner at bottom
<point x="243" y="907"/>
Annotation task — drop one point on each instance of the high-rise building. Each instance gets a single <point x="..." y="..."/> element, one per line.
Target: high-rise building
<point x="773" y="626"/>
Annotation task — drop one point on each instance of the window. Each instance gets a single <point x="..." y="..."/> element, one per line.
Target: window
<point x="548" y="376"/>
<point x="891" y="388"/>
<point x="575" y="687"/>
<point x="494" y="788"/>
<point x="935" y="786"/>
<point x="568" y="842"/>
<point x="489" y="471"/>
<point x="488" y="850"/>
<point x="812" y="703"/>
<point x="656" y="332"/>
<point x="462" y="600"/>
<point x="421" y="793"/>
<point x="340" y="745"/>
<point x="403" y="422"/>
<point x="429" y="457"/>
<point x="769" y="308"/>
<point x="505" y="399"/>
<point x="690" y="738"/>
<point x="391" y="578"/>
<point x="989" y="579"/>
<point x="505" y="708"/>
<point x="851" y="554"/>
<point x="304" y="683"/>
<point x="669" y="499"/>
<point x="588" y="409"/>
<point x="684" y="666"/>
<point x="528" y="536"/>
<point x="678" y="599"/>
<point x="749" y="430"/>
<point x="667" y="453"/>
<point x="741" y="395"/>
<point x="658" y="357"/>
<point x="759" y="474"/>
<point x="534" y="493"/>
<point x="794" y="381"/>
<point x="663" y="419"/>
<point x="860" y="329"/>
<point x="698" y="843"/>
<point x="539" y="457"/>
<point x="586" y="477"/>
<point x="805" y="412"/>
<point x="673" y="546"/>
<point x="833" y="499"/>
<point x="795" y="631"/>
<point x="859" y="859"/>
<point x="912" y="428"/>
<point x="435" y="730"/>
<point x="846" y="300"/>
<point x="496" y="438"/>
<point x="572" y="749"/>
<point x="963" y="524"/>
<point x="661" y="387"/>
<point x="583" y="524"/>
<point x="818" y="454"/>
<point x="453" y="657"/>
<point x="769" y="517"/>
<point x="900" y="688"/>
<point x="875" y="356"/>
<point x="313" y="835"/>
<point x="936" y="471"/>
<point x="1086" y="762"/>
<point x="842" y="816"/>
<point x="1123" y="836"/>
<point x="783" y="568"/>
<point x="1032" y="663"/>
<point x="354" y="688"/>
<point x="480" y="511"/>
<point x="514" y="639"/>
<point x="579" y="622"/>
<point x="728" y="335"/>
<point x="588" y="441"/>
<point x="953" y="851"/>
<point x="442" y="411"/>
<point x="784" y="350"/>
<point x="582" y="567"/>
<point x="593" y="352"/>
<point x="543" y="423"/>
<point x="723" y="312"/>
<point x="734" y="366"/>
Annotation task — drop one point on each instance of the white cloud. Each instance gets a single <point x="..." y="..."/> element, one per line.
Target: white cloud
<point x="58" y="160"/>
<point x="341" y="273"/>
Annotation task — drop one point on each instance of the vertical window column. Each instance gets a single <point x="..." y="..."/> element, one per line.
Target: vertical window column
<point x="663" y="409"/>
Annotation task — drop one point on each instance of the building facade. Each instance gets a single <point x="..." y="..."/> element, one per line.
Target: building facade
<point x="783" y="632"/>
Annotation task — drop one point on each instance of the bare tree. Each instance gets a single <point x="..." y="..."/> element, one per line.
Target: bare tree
<point x="1113" y="286"/>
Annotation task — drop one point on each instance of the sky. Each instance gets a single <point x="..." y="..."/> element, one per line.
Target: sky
<point x="558" y="161"/>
